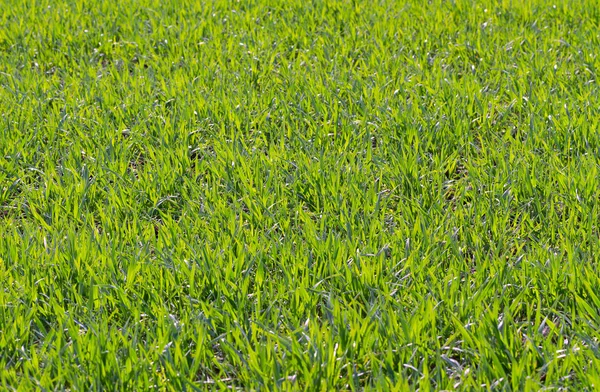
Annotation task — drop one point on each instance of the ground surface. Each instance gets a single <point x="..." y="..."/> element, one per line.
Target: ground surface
<point x="299" y="195"/>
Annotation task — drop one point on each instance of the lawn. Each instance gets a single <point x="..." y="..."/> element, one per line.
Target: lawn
<point x="299" y="195"/>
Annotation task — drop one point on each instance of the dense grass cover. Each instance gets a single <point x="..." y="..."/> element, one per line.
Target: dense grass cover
<point x="299" y="195"/>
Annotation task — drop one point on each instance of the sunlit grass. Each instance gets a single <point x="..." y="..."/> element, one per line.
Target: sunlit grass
<point x="299" y="195"/>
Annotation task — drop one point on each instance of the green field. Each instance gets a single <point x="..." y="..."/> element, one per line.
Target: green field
<point x="299" y="195"/>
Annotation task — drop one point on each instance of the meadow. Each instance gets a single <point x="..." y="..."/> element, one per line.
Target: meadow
<point x="299" y="195"/>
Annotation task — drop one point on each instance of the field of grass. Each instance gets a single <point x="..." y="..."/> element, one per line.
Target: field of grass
<point x="299" y="195"/>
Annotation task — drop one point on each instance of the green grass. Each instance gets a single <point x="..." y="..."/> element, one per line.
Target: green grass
<point x="299" y="195"/>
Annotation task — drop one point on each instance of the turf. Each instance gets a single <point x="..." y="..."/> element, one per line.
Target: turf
<point x="299" y="195"/>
